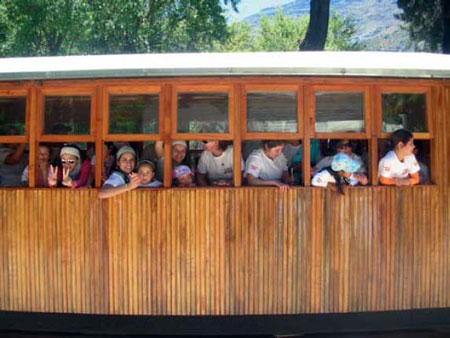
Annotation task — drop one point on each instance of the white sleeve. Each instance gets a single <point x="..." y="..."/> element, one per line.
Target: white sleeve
<point x="93" y="160"/>
<point x="384" y="169"/>
<point x="242" y="164"/>
<point x="114" y="180"/>
<point x="322" y="178"/>
<point x="202" y="168"/>
<point x="25" y="175"/>
<point x="252" y="166"/>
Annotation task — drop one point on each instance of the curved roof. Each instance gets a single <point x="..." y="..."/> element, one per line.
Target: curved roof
<point x="375" y="64"/>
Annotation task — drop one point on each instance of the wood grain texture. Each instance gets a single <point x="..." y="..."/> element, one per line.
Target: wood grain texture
<point x="223" y="251"/>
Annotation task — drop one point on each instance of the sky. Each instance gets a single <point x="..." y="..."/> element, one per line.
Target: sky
<point x="249" y="7"/>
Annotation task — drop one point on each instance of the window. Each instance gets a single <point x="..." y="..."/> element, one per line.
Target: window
<point x="133" y="114"/>
<point x="340" y="112"/>
<point x="14" y="147"/>
<point x="12" y="115"/>
<point x="402" y="110"/>
<point x="67" y="115"/>
<point x="203" y="113"/>
<point x="272" y="111"/>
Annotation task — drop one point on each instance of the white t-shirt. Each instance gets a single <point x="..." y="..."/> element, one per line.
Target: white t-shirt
<point x="327" y="161"/>
<point x="290" y="151"/>
<point x="115" y="179"/>
<point x="218" y="167"/>
<point x="322" y="178"/>
<point x="152" y="184"/>
<point x="262" y="167"/>
<point x="391" y="167"/>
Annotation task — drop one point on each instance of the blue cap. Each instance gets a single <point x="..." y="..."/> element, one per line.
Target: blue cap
<point x="345" y="163"/>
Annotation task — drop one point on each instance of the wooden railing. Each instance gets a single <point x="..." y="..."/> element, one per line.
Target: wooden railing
<point x="224" y="251"/>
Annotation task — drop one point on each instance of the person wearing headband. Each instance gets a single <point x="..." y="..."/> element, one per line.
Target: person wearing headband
<point x="122" y="179"/>
<point x="178" y="152"/>
<point x="74" y="173"/>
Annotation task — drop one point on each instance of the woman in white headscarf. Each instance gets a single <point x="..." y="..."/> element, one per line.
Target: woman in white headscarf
<point x="74" y="173"/>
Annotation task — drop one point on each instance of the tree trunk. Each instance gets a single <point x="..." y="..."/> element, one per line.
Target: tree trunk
<point x="316" y="35"/>
<point x="446" y="22"/>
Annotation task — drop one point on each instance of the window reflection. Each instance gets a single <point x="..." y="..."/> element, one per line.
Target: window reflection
<point x="406" y="111"/>
<point x="272" y="112"/>
<point x="133" y="114"/>
<point x="12" y="115"/>
<point x="339" y="112"/>
<point x="202" y="113"/>
<point x="67" y="115"/>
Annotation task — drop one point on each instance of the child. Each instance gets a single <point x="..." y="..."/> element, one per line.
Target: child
<point x="183" y="177"/>
<point x="123" y="179"/>
<point x="399" y="166"/>
<point x="146" y="172"/>
<point x="342" y="170"/>
<point x="267" y="166"/>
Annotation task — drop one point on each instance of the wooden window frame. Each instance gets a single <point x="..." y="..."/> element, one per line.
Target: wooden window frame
<point x="365" y="89"/>
<point x="23" y="93"/>
<point x="246" y="135"/>
<point x="207" y="89"/>
<point x="67" y="91"/>
<point x="378" y="119"/>
<point x="405" y="90"/>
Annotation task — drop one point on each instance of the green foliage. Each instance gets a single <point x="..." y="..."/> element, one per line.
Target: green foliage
<point x="424" y="21"/>
<point x="283" y="33"/>
<point x="341" y="33"/>
<point x="240" y="39"/>
<point x="65" y="27"/>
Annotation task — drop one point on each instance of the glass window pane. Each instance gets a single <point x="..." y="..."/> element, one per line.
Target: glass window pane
<point x="202" y="113"/>
<point x="12" y="115"/>
<point x="67" y="115"/>
<point x="133" y="114"/>
<point x="272" y="112"/>
<point x="339" y="112"/>
<point x="404" y="111"/>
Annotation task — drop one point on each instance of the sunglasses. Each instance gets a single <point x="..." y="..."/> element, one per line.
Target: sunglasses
<point x="344" y="145"/>
<point x="67" y="161"/>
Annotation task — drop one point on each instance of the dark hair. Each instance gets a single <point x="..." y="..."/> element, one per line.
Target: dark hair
<point x="223" y="145"/>
<point x="272" y="143"/>
<point x="46" y="145"/>
<point x="400" y="135"/>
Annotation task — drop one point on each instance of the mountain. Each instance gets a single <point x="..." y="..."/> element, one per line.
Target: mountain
<point x="376" y="26"/>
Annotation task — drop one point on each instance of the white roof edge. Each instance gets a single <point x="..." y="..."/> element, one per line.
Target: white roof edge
<point x="369" y="64"/>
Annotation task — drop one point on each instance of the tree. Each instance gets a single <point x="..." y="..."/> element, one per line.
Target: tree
<point x="428" y="23"/>
<point x="316" y="35"/>
<point x="64" y="27"/>
<point x="283" y="33"/>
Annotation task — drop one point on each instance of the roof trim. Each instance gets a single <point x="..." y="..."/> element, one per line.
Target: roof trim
<point x="368" y="64"/>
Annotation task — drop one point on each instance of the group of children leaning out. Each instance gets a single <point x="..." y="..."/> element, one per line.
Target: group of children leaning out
<point x="267" y="165"/>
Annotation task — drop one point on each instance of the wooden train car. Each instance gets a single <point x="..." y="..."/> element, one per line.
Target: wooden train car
<point x="227" y="259"/>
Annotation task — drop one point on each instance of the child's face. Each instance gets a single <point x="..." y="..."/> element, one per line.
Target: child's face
<point x="185" y="180"/>
<point x="407" y="148"/>
<point x="146" y="174"/>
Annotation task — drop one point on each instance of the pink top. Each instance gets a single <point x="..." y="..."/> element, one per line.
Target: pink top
<point x="82" y="177"/>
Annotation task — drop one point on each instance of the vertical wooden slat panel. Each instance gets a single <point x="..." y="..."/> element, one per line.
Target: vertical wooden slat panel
<point x="223" y="251"/>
